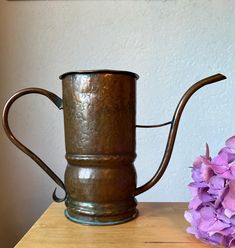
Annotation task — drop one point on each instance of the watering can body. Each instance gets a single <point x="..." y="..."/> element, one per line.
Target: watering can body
<point x="99" y="122"/>
<point x="99" y="109"/>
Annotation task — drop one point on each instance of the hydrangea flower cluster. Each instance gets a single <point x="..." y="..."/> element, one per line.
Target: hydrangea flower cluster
<point x="211" y="211"/>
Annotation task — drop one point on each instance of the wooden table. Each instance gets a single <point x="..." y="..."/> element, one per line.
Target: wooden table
<point x="158" y="225"/>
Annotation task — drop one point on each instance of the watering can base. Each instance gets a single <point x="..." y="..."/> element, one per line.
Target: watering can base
<point x="100" y="221"/>
<point x="101" y="214"/>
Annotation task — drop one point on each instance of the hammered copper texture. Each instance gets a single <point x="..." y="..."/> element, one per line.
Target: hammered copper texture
<point x="99" y="114"/>
<point x="99" y="120"/>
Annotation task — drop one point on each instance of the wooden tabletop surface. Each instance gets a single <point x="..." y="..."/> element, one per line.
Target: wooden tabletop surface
<point x="158" y="225"/>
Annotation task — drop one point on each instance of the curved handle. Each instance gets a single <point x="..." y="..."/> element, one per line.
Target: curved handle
<point x="173" y="130"/>
<point x="59" y="103"/>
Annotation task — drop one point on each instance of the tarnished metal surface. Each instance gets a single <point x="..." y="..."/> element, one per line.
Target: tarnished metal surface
<point x="99" y="121"/>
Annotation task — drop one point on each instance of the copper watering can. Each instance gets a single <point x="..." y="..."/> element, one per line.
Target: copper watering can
<point x="100" y="128"/>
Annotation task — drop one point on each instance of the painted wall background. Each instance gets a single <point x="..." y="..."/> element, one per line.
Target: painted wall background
<point x="170" y="44"/>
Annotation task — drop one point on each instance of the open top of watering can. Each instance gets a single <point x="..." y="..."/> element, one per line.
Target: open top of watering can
<point x="99" y="71"/>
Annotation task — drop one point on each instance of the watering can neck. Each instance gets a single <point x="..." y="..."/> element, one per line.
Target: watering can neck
<point x="173" y="130"/>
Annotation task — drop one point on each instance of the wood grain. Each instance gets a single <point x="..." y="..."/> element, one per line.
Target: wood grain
<point x="158" y="225"/>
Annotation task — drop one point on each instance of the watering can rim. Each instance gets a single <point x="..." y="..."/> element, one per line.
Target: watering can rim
<point x="99" y="72"/>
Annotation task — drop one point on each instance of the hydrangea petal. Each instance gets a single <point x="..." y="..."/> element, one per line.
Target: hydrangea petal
<point x="230" y="153"/>
<point x="229" y="213"/>
<point x="195" y="203"/>
<point x="217" y="182"/>
<point x="230" y="142"/>
<point x="229" y="199"/>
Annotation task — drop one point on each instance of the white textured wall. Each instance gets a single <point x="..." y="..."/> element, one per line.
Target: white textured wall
<point x="170" y="44"/>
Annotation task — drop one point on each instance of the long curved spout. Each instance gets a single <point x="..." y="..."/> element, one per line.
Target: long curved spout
<point x="173" y="130"/>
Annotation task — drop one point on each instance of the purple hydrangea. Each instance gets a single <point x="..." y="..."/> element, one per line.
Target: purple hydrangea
<point x="211" y="211"/>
